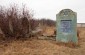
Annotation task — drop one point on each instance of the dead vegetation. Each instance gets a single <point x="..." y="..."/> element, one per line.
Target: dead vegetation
<point x="34" y="46"/>
<point x="15" y="24"/>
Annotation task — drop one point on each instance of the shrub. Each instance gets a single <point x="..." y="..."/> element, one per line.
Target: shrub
<point x="14" y="23"/>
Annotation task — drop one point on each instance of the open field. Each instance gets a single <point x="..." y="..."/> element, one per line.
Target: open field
<point x="35" y="46"/>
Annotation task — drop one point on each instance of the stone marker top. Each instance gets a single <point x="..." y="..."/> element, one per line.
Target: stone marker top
<point x="66" y="12"/>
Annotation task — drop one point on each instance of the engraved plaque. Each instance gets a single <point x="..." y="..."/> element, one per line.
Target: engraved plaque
<point x="66" y="26"/>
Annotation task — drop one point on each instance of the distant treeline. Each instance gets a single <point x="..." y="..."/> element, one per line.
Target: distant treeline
<point x="47" y="22"/>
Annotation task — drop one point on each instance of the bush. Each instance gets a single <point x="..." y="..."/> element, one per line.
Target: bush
<point x="15" y="23"/>
<point x="18" y="23"/>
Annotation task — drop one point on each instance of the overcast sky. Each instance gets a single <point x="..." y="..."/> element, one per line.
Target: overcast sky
<point x="49" y="8"/>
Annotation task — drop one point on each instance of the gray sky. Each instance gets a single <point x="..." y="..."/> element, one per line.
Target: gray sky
<point x="49" y="8"/>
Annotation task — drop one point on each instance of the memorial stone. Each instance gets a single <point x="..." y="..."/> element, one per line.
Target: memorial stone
<point x="66" y="26"/>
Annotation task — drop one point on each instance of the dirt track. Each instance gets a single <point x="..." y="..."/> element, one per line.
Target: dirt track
<point x="42" y="47"/>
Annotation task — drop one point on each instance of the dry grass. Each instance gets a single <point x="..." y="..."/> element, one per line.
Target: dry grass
<point x="48" y="31"/>
<point x="42" y="47"/>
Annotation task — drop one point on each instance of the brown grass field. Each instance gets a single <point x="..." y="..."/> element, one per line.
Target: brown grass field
<point x="34" y="46"/>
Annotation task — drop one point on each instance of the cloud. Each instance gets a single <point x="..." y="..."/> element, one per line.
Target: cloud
<point x="49" y="8"/>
